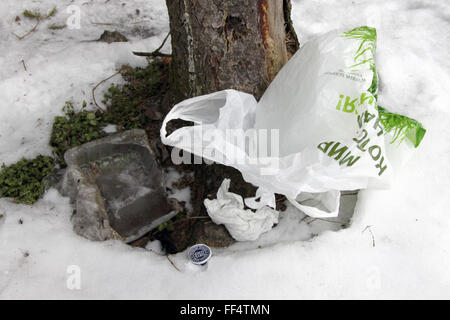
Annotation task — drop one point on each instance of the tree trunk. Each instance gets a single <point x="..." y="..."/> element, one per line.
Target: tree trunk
<point x="217" y="45"/>
<point x="228" y="44"/>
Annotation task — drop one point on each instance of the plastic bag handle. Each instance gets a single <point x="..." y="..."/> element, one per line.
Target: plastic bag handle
<point x="173" y="114"/>
<point x="186" y="110"/>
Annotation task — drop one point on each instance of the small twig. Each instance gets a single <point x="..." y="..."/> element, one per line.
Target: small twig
<point x="29" y="32"/>
<point x="164" y="41"/>
<point x="303" y="219"/>
<point x="371" y="233"/>
<point x="155" y="53"/>
<point x="24" y="66"/>
<point x="151" y="54"/>
<point x="38" y="18"/>
<point x="200" y="217"/>
<point x="173" y="264"/>
<point x="104" y="80"/>
<point x="105" y="23"/>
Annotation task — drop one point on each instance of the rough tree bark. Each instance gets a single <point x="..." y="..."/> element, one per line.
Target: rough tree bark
<point x="223" y="44"/>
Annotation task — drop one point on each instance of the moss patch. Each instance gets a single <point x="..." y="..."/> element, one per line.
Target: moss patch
<point x="57" y="27"/>
<point x="74" y="129"/>
<point x="23" y="180"/>
<point x="37" y="15"/>
<point x="128" y="105"/>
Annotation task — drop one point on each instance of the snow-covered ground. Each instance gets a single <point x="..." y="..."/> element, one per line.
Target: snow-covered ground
<point x="409" y="223"/>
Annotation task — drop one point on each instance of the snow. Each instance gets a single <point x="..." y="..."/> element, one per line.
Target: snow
<point x="409" y="223"/>
<point x="110" y="128"/>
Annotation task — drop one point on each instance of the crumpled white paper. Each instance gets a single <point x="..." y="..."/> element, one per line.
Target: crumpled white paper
<point x="243" y="225"/>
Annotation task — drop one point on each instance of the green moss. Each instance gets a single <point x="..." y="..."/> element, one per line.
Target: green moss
<point x="56" y="27"/>
<point x="170" y="225"/>
<point x="37" y="15"/>
<point x="23" y="180"/>
<point x="51" y="13"/>
<point x="126" y="104"/>
<point x="32" y="15"/>
<point x="166" y="225"/>
<point x="74" y="129"/>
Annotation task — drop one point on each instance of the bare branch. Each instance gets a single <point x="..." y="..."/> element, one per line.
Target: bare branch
<point x="104" y="80"/>
<point x="155" y="53"/>
<point x="173" y="264"/>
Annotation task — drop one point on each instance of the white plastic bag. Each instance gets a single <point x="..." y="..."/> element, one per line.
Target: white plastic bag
<point x="327" y="132"/>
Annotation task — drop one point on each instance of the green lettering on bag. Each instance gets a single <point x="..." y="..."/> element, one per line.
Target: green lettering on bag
<point x="349" y="105"/>
<point x="368" y="117"/>
<point x="338" y="107"/>
<point x="337" y="151"/>
<point x="380" y="165"/>
<point x="324" y="146"/>
<point x="375" y="154"/>
<point x="364" y="98"/>
<point x="349" y="159"/>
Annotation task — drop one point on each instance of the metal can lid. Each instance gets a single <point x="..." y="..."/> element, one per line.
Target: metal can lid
<point x="199" y="254"/>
